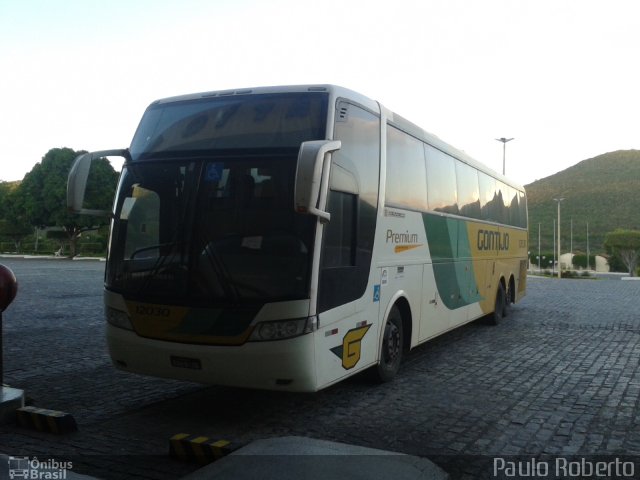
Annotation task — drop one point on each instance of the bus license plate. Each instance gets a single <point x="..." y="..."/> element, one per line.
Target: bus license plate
<point x="184" y="362"/>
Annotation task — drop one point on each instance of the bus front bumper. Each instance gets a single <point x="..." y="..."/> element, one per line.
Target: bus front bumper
<point x="278" y="365"/>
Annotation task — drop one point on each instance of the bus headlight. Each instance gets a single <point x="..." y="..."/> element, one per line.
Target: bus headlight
<point x="118" y="318"/>
<point x="281" y="329"/>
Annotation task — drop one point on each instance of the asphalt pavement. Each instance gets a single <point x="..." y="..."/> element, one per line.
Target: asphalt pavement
<point x="559" y="378"/>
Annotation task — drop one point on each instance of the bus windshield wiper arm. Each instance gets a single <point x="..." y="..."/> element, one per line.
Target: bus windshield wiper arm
<point x="223" y="274"/>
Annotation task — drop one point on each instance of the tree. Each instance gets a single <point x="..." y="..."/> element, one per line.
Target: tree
<point x="5" y="188"/>
<point x="43" y="193"/>
<point x="13" y="221"/>
<point x="626" y="244"/>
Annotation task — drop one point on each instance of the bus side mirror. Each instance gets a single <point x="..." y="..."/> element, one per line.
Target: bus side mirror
<point x="312" y="177"/>
<point x="77" y="180"/>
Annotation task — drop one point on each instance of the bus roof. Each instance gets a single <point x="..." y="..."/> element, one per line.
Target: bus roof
<point x="334" y="90"/>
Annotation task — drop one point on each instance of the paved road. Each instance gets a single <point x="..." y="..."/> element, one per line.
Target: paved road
<point x="560" y="377"/>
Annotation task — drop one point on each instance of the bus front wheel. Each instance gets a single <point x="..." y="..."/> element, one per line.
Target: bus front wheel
<point x="391" y="350"/>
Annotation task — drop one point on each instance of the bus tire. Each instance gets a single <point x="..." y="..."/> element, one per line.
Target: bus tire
<point x="500" y="306"/>
<point x="509" y="297"/>
<point x="391" y="350"/>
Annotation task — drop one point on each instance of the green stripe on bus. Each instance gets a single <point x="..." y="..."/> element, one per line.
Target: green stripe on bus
<point x="452" y="262"/>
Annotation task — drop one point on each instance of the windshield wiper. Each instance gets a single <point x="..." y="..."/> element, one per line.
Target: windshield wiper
<point x="151" y="247"/>
<point x="222" y="272"/>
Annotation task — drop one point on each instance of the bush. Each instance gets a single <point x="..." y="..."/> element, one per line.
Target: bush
<point x="616" y="264"/>
<point x="533" y="258"/>
<point x="91" y="249"/>
<point x="580" y="261"/>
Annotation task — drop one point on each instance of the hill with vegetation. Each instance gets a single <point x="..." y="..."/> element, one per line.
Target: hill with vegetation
<point x="603" y="191"/>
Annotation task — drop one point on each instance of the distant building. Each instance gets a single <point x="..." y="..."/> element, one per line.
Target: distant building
<point x="601" y="266"/>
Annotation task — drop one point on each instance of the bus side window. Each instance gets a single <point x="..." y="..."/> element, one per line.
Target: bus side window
<point x="512" y="207"/>
<point x="522" y="206"/>
<point x="468" y="190"/>
<point x="340" y="233"/>
<point x="488" y="201"/>
<point x="406" y="172"/>
<point x="441" y="181"/>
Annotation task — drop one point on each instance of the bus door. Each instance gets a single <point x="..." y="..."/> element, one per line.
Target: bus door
<point x="435" y="316"/>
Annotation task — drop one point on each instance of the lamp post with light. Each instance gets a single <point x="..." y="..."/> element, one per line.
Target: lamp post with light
<point x="559" y="199"/>
<point x="553" y="269"/>
<point x="594" y="267"/>
<point x="538" y="248"/>
<point x="504" y="150"/>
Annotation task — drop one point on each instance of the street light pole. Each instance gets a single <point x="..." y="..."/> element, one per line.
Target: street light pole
<point x="559" y="262"/>
<point x="588" y="246"/>
<point x="538" y="248"/>
<point x="504" y="150"/>
<point x="571" y="243"/>
<point x="553" y="269"/>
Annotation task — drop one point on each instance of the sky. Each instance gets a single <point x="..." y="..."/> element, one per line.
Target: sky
<point x="560" y="77"/>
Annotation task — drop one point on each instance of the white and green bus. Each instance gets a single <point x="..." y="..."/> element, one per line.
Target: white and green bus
<point x="286" y="238"/>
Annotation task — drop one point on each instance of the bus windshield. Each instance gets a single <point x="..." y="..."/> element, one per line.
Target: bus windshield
<point x="210" y="231"/>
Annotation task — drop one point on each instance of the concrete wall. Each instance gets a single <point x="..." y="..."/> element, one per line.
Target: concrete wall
<point x="601" y="266"/>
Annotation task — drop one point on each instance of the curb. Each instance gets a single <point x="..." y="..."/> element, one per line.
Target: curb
<point x="294" y="458"/>
<point x="196" y="448"/>
<point x="43" y="420"/>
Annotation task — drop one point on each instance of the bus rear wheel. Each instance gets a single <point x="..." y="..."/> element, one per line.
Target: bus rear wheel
<point x="391" y="350"/>
<point x="500" y="306"/>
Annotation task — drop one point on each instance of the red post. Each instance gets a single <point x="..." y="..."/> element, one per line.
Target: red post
<point x="8" y="290"/>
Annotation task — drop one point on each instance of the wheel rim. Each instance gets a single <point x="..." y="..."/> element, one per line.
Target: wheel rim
<point x="392" y="343"/>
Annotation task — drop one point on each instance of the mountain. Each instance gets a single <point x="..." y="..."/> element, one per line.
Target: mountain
<point x="603" y="191"/>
